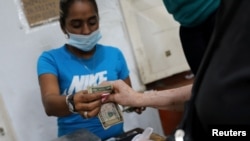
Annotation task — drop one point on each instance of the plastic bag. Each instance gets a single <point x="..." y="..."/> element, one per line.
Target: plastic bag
<point x="144" y="136"/>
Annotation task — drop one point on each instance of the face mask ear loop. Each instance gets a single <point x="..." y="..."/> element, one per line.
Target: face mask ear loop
<point x="66" y="35"/>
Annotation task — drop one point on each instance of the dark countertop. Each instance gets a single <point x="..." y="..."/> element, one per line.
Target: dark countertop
<point x="79" y="135"/>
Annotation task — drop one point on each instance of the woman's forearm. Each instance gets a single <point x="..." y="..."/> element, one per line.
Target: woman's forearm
<point x="55" y="105"/>
<point x="171" y="99"/>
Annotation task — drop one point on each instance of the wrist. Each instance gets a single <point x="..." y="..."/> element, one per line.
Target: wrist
<point x="139" y="100"/>
<point x="70" y="103"/>
<point x="148" y="98"/>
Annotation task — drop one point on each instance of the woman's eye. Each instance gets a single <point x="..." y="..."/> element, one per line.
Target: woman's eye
<point x="76" y="24"/>
<point x="93" y="21"/>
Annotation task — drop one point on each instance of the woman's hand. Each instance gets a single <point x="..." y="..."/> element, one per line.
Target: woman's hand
<point x="88" y="105"/>
<point x="123" y="94"/>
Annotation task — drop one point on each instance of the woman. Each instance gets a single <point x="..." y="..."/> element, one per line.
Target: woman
<point x="66" y="72"/>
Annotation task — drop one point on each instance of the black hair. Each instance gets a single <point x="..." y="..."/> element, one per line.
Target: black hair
<point x="64" y="9"/>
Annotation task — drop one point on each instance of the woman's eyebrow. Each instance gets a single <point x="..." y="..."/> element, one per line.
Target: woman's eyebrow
<point x="90" y="18"/>
<point x="75" y="20"/>
<point x="93" y="17"/>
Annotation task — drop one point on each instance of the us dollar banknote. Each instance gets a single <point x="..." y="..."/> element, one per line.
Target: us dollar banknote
<point x="110" y="113"/>
<point x="106" y="88"/>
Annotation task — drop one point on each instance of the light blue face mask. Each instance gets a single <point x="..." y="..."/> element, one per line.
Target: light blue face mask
<point x="84" y="42"/>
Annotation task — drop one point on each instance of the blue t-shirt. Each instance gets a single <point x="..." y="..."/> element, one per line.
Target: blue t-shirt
<point x="191" y="13"/>
<point x="75" y="74"/>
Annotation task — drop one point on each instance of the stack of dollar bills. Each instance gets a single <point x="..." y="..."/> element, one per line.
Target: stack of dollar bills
<point x="110" y="113"/>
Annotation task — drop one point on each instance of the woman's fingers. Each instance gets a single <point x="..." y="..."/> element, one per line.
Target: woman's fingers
<point x="91" y="113"/>
<point x="90" y="109"/>
<point x="88" y="105"/>
<point x="94" y="112"/>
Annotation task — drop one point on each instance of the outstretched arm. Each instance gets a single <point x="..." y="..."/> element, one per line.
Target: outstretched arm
<point x="171" y="99"/>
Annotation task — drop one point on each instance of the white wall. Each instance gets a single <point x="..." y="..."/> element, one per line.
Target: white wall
<point x="19" y="51"/>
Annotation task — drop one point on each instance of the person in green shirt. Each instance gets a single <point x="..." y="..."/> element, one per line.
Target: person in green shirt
<point x="219" y="100"/>
<point x="196" y="19"/>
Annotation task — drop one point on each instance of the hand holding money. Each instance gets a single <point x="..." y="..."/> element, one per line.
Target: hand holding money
<point x="86" y="105"/>
<point x="105" y="89"/>
<point x="123" y="95"/>
<point x="110" y="113"/>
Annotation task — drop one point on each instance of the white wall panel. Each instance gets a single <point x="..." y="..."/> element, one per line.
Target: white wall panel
<point x="155" y="39"/>
<point x="20" y="48"/>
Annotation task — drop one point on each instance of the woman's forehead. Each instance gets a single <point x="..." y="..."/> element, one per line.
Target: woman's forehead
<point x="81" y="9"/>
